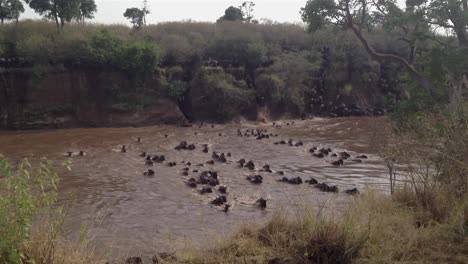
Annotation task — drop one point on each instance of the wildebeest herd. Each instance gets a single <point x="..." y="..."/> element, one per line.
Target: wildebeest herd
<point x="206" y="181"/>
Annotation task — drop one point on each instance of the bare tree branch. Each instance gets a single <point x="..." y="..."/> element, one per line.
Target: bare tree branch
<point x="439" y="24"/>
<point x="404" y="40"/>
<point x="422" y="80"/>
<point x="379" y="8"/>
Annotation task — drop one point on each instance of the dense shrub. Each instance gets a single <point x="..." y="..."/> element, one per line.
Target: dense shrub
<point x="177" y="49"/>
<point x="288" y="75"/>
<point x="269" y="88"/>
<point x="219" y="97"/>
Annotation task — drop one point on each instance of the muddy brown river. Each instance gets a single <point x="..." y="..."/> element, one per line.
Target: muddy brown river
<point x="133" y="214"/>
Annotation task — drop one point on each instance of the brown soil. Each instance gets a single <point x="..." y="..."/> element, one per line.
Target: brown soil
<point x="164" y="111"/>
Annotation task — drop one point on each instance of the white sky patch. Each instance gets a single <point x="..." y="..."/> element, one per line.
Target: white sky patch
<point x="111" y="11"/>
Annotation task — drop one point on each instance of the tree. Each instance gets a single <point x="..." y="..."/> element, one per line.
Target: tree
<point x="232" y="14"/>
<point x="17" y="8"/>
<point x="86" y="9"/>
<point x="145" y="10"/>
<point x="451" y="15"/>
<point x="136" y="16"/>
<point x="414" y="24"/>
<point x="60" y="11"/>
<point x="248" y="6"/>
<point x="10" y="10"/>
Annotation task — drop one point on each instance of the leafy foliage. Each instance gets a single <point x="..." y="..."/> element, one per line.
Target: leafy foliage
<point x="248" y="7"/>
<point x="136" y="16"/>
<point x="104" y="50"/>
<point x="318" y="14"/>
<point x="218" y="96"/>
<point x="25" y="192"/>
<point x="283" y="84"/>
<point x="63" y="10"/>
<point x="414" y="26"/>
<point x="10" y="10"/>
<point x="86" y="9"/>
<point x="232" y="14"/>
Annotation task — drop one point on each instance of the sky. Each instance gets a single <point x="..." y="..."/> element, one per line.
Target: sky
<point x="111" y="11"/>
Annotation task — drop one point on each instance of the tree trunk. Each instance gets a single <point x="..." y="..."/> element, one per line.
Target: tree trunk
<point x="5" y="105"/>
<point x="57" y="22"/>
<point x="7" y="84"/>
<point x="462" y="37"/>
<point x="54" y="11"/>
<point x="460" y="25"/>
<point x="458" y="90"/>
<point x="412" y="57"/>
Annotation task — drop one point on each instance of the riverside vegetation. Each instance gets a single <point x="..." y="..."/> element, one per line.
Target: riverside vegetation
<point x="213" y="72"/>
<point x="350" y="58"/>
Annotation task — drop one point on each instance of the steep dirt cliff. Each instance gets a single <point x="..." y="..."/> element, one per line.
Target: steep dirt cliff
<point x="54" y="98"/>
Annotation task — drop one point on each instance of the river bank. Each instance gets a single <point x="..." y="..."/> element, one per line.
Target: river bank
<point x="111" y="76"/>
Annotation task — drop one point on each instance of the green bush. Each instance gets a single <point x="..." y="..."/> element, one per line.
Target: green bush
<point x="175" y="73"/>
<point x="100" y="49"/>
<point x="175" y="90"/>
<point x="103" y="49"/>
<point x="288" y="77"/>
<point x="235" y="47"/>
<point x="177" y="49"/>
<point x="219" y="97"/>
<point x="24" y="194"/>
<point x="269" y="89"/>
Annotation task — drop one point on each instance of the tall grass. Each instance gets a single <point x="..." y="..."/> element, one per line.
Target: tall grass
<point x="31" y="222"/>
<point x="376" y="229"/>
<point x="24" y="194"/>
<point x="309" y="239"/>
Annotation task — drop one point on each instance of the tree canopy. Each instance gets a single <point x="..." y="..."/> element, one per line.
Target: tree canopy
<point x="63" y="10"/>
<point x="87" y="9"/>
<point x="232" y="14"/>
<point x="418" y="22"/>
<point x="248" y="6"/>
<point x="10" y="10"/>
<point x="136" y="16"/>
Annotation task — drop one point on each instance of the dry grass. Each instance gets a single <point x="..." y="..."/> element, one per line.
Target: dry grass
<point x="396" y="235"/>
<point x="376" y="229"/>
<point x="48" y="244"/>
<point x="311" y="238"/>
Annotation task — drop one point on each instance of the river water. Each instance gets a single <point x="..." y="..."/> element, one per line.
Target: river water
<point x="133" y="214"/>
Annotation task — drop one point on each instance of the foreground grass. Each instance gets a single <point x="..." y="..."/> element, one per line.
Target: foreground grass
<point x="376" y="229"/>
<point x="31" y="224"/>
